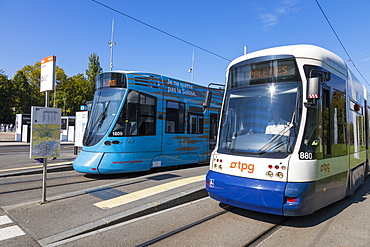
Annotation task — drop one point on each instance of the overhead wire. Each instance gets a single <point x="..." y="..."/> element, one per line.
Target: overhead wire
<point x="160" y="30"/>
<point x="344" y="48"/>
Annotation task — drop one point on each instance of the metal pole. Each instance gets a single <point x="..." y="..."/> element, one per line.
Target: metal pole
<point x="45" y="160"/>
<point x="111" y="43"/>
<point x="245" y="50"/>
<point x="192" y="68"/>
<point x="47" y="97"/>
<point x="44" y="178"/>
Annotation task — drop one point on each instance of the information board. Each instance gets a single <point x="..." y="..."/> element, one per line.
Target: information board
<point x="81" y="121"/>
<point x="45" y="132"/>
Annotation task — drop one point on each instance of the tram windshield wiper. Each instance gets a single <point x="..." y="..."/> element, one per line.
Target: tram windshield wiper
<point x="275" y="139"/>
<point x="98" y="123"/>
<point x="103" y="115"/>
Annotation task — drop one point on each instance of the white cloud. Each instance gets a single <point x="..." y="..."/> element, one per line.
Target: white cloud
<point x="269" y="19"/>
<point x="366" y="58"/>
<point x="288" y="7"/>
<point x="272" y="16"/>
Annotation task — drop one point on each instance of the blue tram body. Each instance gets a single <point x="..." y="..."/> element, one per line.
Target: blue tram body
<point x="139" y="121"/>
<point x="293" y="135"/>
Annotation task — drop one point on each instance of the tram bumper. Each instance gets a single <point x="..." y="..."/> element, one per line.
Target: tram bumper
<point x="111" y="163"/>
<point x="280" y="198"/>
<point x="252" y="194"/>
<point x="87" y="162"/>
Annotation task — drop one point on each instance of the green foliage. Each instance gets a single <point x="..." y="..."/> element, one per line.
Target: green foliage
<point x="93" y="69"/>
<point x="23" y="91"/>
<point x="75" y="92"/>
<point x="22" y="100"/>
<point x="6" y="91"/>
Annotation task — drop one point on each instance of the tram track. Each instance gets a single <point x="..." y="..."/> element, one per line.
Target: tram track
<point x="264" y="235"/>
<point x="181" y="229"/>
<point x="207" y="220"/>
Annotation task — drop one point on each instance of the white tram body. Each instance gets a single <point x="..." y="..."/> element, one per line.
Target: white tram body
<point x="293" y="135"/>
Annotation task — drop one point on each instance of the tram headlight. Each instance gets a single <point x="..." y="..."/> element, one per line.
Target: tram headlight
<point x="269" y="174"/>
<point x="280" y="175"/>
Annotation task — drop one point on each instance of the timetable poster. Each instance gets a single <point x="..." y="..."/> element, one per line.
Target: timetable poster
<point x="45" y="132"/>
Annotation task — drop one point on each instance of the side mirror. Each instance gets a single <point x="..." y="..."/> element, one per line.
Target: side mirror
<point x="207" y="99"/>
<point x="313" y="88"/>
<point x="208" y="96"/>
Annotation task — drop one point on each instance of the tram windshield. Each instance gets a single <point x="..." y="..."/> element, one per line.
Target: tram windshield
<point x="261" y="109"/>
<point x="104" y="109"/>
<point x="262" y="118"/>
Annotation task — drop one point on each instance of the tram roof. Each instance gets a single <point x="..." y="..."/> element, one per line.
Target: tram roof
<point x="154" y="74"/>
<point x="298" y="51"/>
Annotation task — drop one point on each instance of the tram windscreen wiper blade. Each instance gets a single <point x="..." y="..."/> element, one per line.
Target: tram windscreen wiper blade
<point x="274" y="139"/>
<point x="98" y="123"/>
<point x="103" y="115"/>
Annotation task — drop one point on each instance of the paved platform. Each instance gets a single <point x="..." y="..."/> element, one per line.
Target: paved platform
<point x="82" y="211"/>
<point x="85" y="210"/>
<point x="7" y="137"/>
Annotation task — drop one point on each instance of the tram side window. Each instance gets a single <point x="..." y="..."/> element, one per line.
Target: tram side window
<point x="357" y="128"/>
<point x="137" y="116"/>
<point x="175" y="117"/>
<point x="213" y="130"/>
<point x="339" y="124"/>
<point x="63" y="124"/>
<point x="195" y="125"/>
<point x="326" y="128"/>
<point x="71" y="122"/>
<point x="146" y="118"/>
<point x="326" y="122"/>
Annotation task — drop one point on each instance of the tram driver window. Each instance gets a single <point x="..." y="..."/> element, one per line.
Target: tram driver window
<point x="137" y="116"/>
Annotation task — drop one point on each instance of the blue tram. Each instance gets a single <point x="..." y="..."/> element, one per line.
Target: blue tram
<point x="140" y="121"/>
<point x="294" y="132"/>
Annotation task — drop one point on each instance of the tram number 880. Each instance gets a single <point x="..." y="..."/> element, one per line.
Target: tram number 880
<point x="305" y="156"/>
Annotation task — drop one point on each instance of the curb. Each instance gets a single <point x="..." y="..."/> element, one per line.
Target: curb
<point x="64" y="167"/>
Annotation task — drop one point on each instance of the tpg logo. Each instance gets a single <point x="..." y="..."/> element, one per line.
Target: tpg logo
<point x="242" y="166"/>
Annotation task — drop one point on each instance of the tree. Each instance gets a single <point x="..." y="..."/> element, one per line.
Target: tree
<point x="76" y="91"/>
<point x="33" y="73"/>
<point x="93" y="70"/>
<point x="6" y="90"/>
<point x="23" y="91"/>
<point x="21" y="96"/>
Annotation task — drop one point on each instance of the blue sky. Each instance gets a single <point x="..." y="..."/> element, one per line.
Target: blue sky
<point x="72" y="30"/>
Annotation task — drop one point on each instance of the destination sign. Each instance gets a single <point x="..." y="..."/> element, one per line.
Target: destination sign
<point x="260" y="73"/>
<point x="274" y="71"/>
<point x="109" y="83"/>
<point x="107" y="80"/>
<point x="267" y="70"/>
